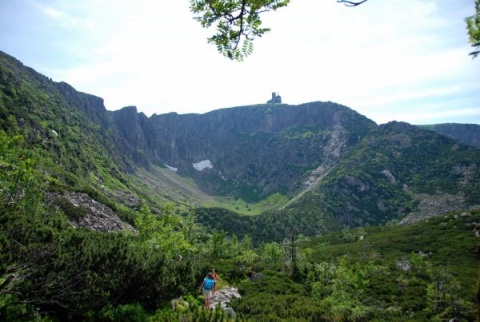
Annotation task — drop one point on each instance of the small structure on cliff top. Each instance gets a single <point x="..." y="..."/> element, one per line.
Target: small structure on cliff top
<point x="275" y="98"/>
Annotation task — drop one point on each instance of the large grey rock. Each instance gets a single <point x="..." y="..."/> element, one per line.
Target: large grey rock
<point x="223" y="297"/>
<point x="98" y="216"/>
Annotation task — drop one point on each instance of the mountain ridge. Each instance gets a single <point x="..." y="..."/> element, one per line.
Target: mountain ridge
<point x="180" y="141"/>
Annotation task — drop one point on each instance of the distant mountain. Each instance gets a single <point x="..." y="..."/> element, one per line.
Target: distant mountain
<point x="466" y="133"/>
<point x="267" y="170"/>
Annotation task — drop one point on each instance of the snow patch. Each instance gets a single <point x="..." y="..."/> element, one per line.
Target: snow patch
<point x="205" y="164"/>
<point x="171" y="168"/>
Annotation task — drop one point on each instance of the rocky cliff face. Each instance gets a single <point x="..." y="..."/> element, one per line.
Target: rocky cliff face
<point x="248" y="152"/>
<point x="91" y="105"/>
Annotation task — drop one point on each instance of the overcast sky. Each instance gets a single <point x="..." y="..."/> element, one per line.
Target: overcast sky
<point x="403" y="60"/>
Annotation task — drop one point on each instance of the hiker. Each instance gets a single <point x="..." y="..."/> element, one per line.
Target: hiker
<point x="208" y="288"/>
<point x="215" y="275"/>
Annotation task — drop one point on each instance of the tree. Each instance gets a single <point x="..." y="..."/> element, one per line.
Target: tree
<point x="166" y="234"/>
<point x="238" y="22"/>
<point x="473" y="27"/>
<point x="272" y="255"/>
<point x="341" y="288"/>
<point x="218" y="244"/>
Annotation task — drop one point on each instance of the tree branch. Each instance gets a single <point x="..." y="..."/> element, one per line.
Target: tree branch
<point x="351" y="3"/>
<point x="475" y="53"/>
<point x="241" y="16"/>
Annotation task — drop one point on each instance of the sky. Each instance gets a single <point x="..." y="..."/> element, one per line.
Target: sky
<point x="395" y="60"/>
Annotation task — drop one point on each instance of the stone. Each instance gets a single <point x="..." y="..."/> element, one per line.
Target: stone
<point x="99" y="217"/>
<point x="223" y="297"/>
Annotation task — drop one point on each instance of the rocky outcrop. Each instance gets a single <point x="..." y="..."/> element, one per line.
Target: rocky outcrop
<point x="220" y="301"/>
<point x="85" y="212"/>
<point x="223" y="297"/>
<point x="435" y="205"/>
<point x="92" y="105"/>
<point x="136" y="133"/>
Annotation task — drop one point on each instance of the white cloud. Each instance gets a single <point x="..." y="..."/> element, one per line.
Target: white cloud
<point x="54" y="13"/>
<point x="64" y="19"/>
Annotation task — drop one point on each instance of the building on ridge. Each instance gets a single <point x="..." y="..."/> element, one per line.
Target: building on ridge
<point x="275" y="99"/>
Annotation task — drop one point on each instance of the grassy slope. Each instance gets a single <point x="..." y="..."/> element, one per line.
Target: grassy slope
<point x="164" y="184"/>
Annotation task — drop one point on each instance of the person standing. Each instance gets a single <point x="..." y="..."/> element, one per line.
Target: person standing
<point x="208" y="288"/>
<point x="215" y="275"/>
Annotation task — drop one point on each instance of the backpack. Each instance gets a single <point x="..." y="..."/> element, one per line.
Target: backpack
<point x="208" y="284"/>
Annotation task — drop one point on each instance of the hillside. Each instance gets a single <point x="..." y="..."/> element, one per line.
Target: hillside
<point x="313" y="167"/>
<point x="394" y="273"/>
<point x="466" y="133"/>
<point x="398" y="173"/>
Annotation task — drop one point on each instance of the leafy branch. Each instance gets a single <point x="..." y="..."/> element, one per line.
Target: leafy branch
<point x="238" y="22"/>
<point x="473" y="28"/>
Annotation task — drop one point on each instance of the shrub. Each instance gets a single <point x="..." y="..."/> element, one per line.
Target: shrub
<point x="127" y="313"/>
<point x="69" y="209"/>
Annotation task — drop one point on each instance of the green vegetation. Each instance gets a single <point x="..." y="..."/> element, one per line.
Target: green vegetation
<point x="294" y="133"/>
<point x="244" y="208"/>
<point x="473" y="28"/>
<point x="238" y="23"/>
<point x="421" y="272"/>
<point x="72" y="212"/>
<point x="269" y="226"/>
